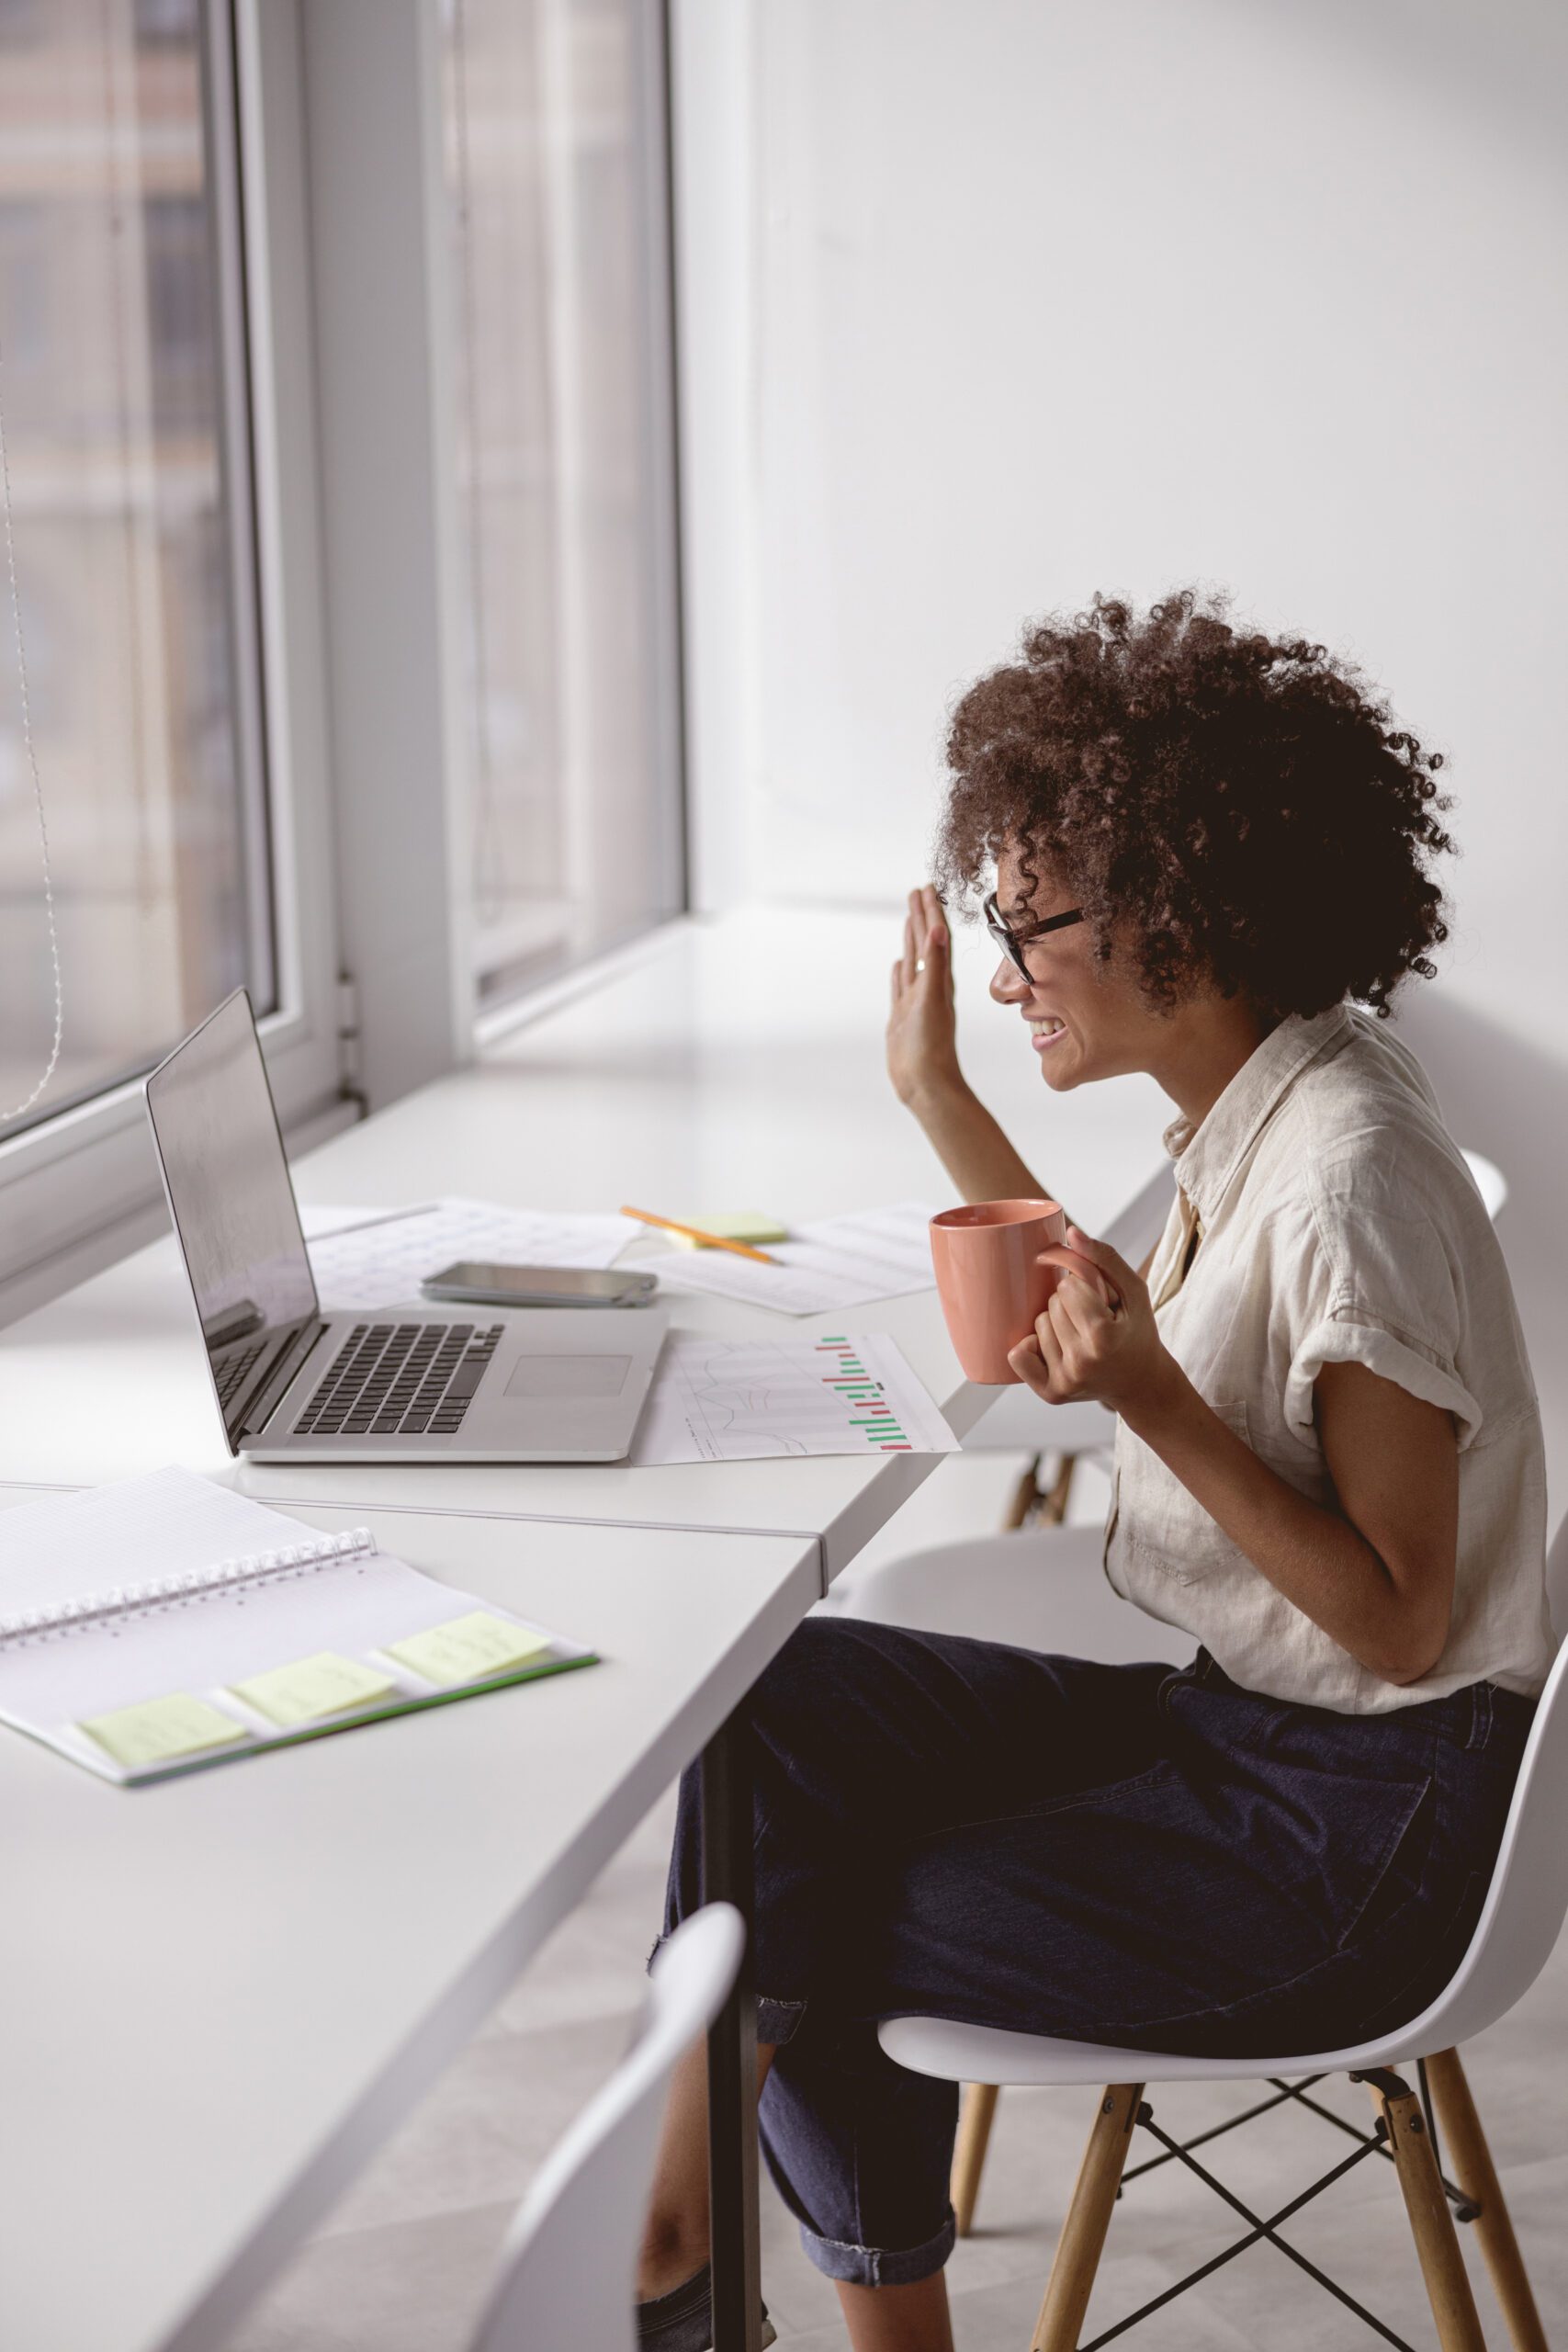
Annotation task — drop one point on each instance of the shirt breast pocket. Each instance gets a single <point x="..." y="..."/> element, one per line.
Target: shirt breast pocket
<point x="1166" y="1526"/>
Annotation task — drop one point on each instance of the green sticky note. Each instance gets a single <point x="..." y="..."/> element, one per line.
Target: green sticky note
<point x="741" y="1225"/>
<point x="312" y="1687"/>
<point x="468" y="1648"/>
<point x="160" y="1729"/>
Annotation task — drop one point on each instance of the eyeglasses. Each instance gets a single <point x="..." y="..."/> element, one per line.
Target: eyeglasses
<point x="1006" y="939"/>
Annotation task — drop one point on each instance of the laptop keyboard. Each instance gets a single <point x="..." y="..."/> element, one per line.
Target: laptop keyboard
<point x="390" y="1378"/>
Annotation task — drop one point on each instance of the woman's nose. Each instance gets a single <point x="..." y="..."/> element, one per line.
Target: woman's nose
<point x="1007" y="983"/>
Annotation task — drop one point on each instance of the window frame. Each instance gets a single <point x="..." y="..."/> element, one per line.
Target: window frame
<point x="662" y="426"/>
<point x="81" y="1187"/>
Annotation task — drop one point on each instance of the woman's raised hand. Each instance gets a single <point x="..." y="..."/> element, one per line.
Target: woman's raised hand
<point x="922" y="1062"/>
<point x="922" y="1049"/>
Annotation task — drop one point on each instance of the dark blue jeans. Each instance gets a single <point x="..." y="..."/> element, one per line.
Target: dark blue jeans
<point x="1126" y="1854"/>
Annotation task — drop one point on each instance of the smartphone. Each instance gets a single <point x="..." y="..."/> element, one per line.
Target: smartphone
<point x="483" y="1284"/>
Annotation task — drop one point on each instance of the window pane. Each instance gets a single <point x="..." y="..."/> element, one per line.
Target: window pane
<point x="131" y="510"/>
<point x="555" y="134"/>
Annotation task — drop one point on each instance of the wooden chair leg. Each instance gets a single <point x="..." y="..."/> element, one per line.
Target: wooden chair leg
<point x="1054" y="1502"/>
<point x="1078" y="2248"/>
<point x="1024" y="1497"/>
<point x="1431" y="2223"/>
<point x="1469" y="2163"/>
<point x="1029" y="1499"/>
<point x="969" y="2154"/>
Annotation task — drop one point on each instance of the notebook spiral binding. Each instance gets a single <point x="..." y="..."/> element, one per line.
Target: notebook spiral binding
<point x="95" y="1608"/>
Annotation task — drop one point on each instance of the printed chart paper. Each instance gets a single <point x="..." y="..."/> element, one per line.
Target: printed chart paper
<point x="381" y="1259"/>
<point x="835" y="1261"/>
<point x="750" y="1401"/>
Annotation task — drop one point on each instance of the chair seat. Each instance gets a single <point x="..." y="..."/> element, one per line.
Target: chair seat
<point x="1018" y="1423"/>
<point x="1042" y="1588"/>
<point x="976" y="2053"/>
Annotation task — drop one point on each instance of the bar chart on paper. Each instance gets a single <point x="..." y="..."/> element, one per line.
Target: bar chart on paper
<point x="862" y="1398"/>
<point x="745" y="1400"/>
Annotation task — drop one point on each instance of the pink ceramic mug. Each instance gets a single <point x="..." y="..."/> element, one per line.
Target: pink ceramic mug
<point x="991" y="1281"/>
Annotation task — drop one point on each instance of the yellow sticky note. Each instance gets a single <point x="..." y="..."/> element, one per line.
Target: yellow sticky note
<point x="741" y="1225"/>
<point x="160" y="1729"/>
<point x="313" y="1688"/>
<point x="468" y="1648"/>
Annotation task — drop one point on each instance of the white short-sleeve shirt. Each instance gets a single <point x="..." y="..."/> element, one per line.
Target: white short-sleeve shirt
<point x="1337" y="1223"/>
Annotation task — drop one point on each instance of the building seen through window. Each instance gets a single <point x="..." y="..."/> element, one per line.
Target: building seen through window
<point x="131" y="512"/>
<point x="554" y="147"/>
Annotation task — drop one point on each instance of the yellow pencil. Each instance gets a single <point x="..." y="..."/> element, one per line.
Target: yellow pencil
<point x="694" y="1233"/>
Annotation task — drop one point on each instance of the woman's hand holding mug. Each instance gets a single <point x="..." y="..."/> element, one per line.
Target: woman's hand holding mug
<point x="1097" y="1337"/>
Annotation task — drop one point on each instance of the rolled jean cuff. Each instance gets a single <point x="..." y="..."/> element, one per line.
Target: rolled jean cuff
<point x="870" y="2266"/>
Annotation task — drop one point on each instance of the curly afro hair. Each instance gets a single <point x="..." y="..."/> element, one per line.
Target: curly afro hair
<point x="1235" y="808"/>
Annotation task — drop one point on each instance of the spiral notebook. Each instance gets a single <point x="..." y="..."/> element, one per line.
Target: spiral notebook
<point x="165" y="1624"/>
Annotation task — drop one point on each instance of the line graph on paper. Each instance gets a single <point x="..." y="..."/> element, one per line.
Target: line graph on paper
<point x="750" y="1401"/>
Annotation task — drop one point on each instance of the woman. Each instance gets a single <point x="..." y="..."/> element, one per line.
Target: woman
<point x="1206" y="845"/>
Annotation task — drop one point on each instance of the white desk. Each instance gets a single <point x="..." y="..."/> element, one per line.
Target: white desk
<point x="734" y="1065"/>
<point x="737" y="1064"/>
<point x="218" y="1994"/>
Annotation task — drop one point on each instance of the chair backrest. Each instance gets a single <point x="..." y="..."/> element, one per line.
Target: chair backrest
<point x="1490" y="1180"/>
<point x="566" y="2275"/>
<point x="1527" y="1899"/>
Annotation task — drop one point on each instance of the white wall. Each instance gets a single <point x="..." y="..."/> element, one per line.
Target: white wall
<point x="1050" y="299"/>
<point x="1020" y="300"/>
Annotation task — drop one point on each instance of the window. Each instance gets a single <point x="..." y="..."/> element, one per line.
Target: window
<point x="123" y="380"/>
<point x="555" y="168"/>
<point x="206" y="209"/>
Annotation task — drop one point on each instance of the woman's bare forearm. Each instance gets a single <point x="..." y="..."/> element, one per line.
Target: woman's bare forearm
<point x="972" y="1146"/>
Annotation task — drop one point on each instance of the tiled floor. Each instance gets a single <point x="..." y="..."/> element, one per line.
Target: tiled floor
<point x="401" y="2264"/>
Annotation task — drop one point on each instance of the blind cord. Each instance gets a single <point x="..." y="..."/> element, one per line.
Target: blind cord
<point x="53" y="1062"/>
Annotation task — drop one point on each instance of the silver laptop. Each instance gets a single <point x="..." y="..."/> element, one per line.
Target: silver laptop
<point x="417" y="1384"/>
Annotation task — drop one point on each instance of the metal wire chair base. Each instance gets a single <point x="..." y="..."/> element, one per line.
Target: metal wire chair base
<point x="1373" y="2143"/>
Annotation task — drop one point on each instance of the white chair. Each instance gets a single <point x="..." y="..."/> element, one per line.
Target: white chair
<point x="1039" y="1592"/>
<point x="567" y="2275"/>
<point x="1520" y="1924"/>
<point x="1490" y="1181"/>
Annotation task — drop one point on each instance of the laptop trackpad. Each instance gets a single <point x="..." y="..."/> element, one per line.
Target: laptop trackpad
<point x="569" y="1376"/>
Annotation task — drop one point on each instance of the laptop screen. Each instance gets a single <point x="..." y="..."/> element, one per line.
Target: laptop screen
<point x="233" y="1201"/>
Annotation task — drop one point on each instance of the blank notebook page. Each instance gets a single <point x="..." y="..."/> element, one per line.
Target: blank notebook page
<point x="165" y="1524"/>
